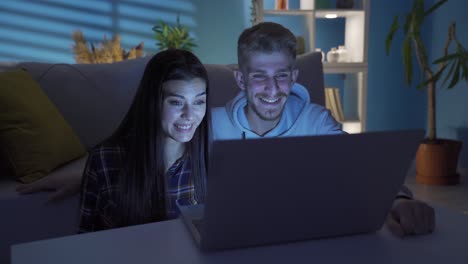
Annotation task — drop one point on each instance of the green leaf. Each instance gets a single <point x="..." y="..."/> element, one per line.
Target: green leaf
<point x="464" y="65"/>
<point x="159" y="38"/>
<point x="463" y="60"/>
<point x="449" y="57"/>
<point x="393" y="28"/>
<point x="191" y="45"/>
<point x="434" y="78"/>
<point x="456" y="76"/>
<point x="407" y="59"/>
<point x="408" y="22"/>
<point x="434" y="7"/>
<point x="452" y="68"/>
<point x="418" y="15"/>
<point x="422" y="50"/>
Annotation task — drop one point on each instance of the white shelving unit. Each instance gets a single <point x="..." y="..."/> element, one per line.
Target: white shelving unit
<point x="356" y="35"/>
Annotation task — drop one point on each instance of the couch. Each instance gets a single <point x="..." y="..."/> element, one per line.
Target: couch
<point x="93" y="98"/>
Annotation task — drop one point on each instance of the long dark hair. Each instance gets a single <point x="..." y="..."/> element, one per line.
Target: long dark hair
<point x="142" y="185"/>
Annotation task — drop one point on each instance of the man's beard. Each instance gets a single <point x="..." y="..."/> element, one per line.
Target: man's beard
<point x="269" y="117"/>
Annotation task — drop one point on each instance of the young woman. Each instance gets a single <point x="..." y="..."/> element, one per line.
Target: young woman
<point x="156" y="158"/>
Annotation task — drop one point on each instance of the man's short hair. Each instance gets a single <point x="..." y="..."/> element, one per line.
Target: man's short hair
<point x="265" y="37"/>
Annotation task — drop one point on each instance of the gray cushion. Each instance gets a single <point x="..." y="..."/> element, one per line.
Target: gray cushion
<point x="311" y="76"/>
<point x="222" y="84"/>
<point x="93" y="98"/>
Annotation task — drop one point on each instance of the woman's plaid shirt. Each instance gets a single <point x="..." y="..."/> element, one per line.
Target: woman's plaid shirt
<point x="100" y="182"/>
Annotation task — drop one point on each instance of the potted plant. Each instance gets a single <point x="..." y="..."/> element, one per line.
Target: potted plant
<point x="173" y="37"/>
<point x="436" y="158"/>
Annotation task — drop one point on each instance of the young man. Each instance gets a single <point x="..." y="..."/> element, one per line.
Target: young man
<point x="272" y="104"/>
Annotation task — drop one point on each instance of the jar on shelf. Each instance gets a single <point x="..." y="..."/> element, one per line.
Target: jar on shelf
<point x="323" y="54"/>
<point x="307" y="4"/>
<point x="332" y="55"/>
<point x="342" y="54"/>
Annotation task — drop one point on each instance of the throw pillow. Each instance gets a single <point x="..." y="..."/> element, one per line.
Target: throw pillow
<point x="4" y="166"/>
<point x="33" y="134"/>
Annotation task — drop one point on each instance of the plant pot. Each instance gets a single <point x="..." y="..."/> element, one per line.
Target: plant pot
<point x="436" y="162"/>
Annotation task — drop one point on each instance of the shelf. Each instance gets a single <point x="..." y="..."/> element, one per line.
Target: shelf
<point x="344" y="67"/>
<point x="352" y="126"/>
<point x="319" y="13"/>
<point x="295" y="12"/>
<point x="353" y="74"/>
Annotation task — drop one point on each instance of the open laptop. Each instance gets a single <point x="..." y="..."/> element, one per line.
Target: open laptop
<point x="272" y="190"/>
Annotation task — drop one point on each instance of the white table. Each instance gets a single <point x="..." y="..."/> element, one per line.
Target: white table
<point x="170" y="242"/>
<point x="450" y="196"/>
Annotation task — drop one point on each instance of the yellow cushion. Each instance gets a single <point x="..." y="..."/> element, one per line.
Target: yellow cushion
<point x="34" y="136"/>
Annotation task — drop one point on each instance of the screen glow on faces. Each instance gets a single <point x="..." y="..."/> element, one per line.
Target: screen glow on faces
<point x="268" y="84"/>
<point x="183" y="109"/>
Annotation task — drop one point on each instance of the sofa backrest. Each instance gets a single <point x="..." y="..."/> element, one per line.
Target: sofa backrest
<point x="93" y="98"/>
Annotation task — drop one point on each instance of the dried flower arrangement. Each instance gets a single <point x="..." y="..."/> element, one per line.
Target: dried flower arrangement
<point x="107" y="51"/>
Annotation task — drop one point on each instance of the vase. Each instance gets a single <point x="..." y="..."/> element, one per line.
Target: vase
<point x="332" y="55"/>
<point x="342" y="54"/>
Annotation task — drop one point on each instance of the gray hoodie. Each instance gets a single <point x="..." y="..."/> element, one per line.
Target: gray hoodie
<point x="299" y="118"/>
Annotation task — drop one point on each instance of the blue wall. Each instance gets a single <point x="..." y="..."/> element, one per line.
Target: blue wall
<point x="218" y="30"/>
<point x="394" y="105"/>
<point x="391" y="104"/>
<point x="452" y="105"/>
<point x="41" y="30"/>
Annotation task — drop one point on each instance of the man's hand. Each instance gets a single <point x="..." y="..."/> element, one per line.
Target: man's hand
<point x="62" y="182"/>
<point x="411" y="217"/>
